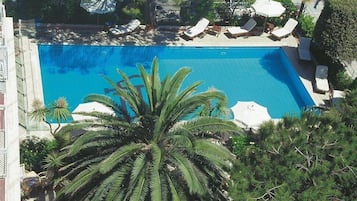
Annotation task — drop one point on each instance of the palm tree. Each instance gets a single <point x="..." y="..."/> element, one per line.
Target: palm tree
<point x="57" y="111"/>
<point x="154" y="154"/>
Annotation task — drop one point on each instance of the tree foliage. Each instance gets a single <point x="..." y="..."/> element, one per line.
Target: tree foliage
<point x="33" y="152"/>
<point x="336" y="30"/>
<point x="70" y="11"/>
<point x="307" y="158"/>
<point x="157" y="147"/>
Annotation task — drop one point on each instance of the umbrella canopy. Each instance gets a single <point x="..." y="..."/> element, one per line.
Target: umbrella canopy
<point x="250" y="113"/>
<point x="99" y="6"/>
<point x="88" y="108"/>
<point x="268" y="8"/>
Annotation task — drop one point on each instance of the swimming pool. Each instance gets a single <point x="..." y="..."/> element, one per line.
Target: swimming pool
<point x="264" y="75"/>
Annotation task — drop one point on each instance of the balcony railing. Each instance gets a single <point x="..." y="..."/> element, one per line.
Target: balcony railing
<point x="3" y="163"/>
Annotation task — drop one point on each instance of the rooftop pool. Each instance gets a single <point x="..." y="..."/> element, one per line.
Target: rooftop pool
<point x="261" y="74"/>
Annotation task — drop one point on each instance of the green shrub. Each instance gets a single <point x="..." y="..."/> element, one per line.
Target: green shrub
<point x="307" y="25"/>
<point x="238" y="144"/>
<point x="34" y="150"/>
<point x="343" y="81"/>
<point x="336" y="30"/>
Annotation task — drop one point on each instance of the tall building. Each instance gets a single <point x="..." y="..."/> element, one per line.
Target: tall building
<point x="9" y="124"/>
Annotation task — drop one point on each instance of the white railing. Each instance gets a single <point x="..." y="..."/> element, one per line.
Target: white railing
<point x="3" y="163"/>
<point x="3" y="75"/>
<point x="3" y="70"/>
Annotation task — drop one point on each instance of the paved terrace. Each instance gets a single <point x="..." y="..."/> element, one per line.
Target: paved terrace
<point x="170" y="36"/>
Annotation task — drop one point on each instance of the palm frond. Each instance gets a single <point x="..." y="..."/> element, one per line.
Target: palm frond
<point x="148" y="86"/>
<point x="138" y="167"/>
<point x="173" y="191"/>
<point x="214" y="153"/>
<point x="155" y="182"/>
<point x="72" y="169"/>
<point x="59" y="110"/>
<point x="107" y="184"/>
<point x="195" y="183"/>
<point x="39" y="114"/>
<point x="168" y="114"/>
<point x="115" y="158"/>
<point x="116" y="192"/>
<point x="152" y="84"/>
<point x="103" y="99"/>
<point x="178" y="98"/>
<point x="179" y="140"/>
<point x="212" y="125"/>
<point x="164" y="186"/>
<point x="91" y="137"/>
<point x="155" y="80"/>
<point x="53" y="160"/>
<point x="122" y="93"/>
<point x="163" y="95"/>
<point x="120" y="110"/>
<point x="171" y="88"/>
<point x="140" y="188"/>
<point x="134" y="94"/>
<point x="81" y="180"/>
<point x="193" y="103"/>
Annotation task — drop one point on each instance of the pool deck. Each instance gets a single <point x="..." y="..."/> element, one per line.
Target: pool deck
<point x="170" y="36"/>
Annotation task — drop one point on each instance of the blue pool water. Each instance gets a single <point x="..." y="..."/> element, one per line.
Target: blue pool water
<point x="264" y="75"/>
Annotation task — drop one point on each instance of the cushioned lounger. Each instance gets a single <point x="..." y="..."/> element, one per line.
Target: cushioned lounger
<point x="321" y="81"/>
<point x="286" y="30"/>
<point x="304" y="49"/>
<point x="197" y="29"/>
<point x="125" y="28"/>
<point x="246" y="28"/>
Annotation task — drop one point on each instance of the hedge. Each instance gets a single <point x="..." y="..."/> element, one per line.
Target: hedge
<point x="336" y="30"/>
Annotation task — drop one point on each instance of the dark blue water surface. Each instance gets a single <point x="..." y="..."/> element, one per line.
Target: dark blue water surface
<point x="264" y="75"/>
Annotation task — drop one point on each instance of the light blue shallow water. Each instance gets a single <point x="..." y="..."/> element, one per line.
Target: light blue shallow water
<point x="264" y="75"/>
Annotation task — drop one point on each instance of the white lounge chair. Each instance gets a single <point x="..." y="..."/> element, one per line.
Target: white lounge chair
<point x="321" y="81"/>
<point x="286" y="30"/>
<point x="197" y="29"/>
<point x="304" y="49"/>
<point x="125" y="28"/>
<point x="246" y="28"/>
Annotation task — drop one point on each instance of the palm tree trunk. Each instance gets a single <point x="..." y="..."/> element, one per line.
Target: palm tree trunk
<point x="302" y="7"/>
<point x="49" y="125"/>
<point x="58" y="127"/>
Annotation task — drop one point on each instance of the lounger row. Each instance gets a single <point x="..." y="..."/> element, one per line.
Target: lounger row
<point x="236" y="31"/>
<point x="202" y="24"/>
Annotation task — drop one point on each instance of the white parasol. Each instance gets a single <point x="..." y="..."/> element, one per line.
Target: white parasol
<point x="268" y="8"/>
<point x="99" y="6"/>
<point x="88" y="108"/>
<point x="250" y="113"/>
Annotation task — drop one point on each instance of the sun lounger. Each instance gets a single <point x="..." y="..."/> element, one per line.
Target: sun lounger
<point x="246" y="28"/>
<point x="197" y="29"/>
<point x="286" y="30"/>
<point x="321" y="81"/>
<point x="125" y="29"/>
<point x="304" y="49"/>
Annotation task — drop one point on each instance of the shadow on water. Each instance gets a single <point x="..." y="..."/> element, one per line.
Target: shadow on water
<point x="84" y="58"/>
<point x="69" y="58"/>
<point x="143" y="55"/>
<point x="277" y="64"/>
